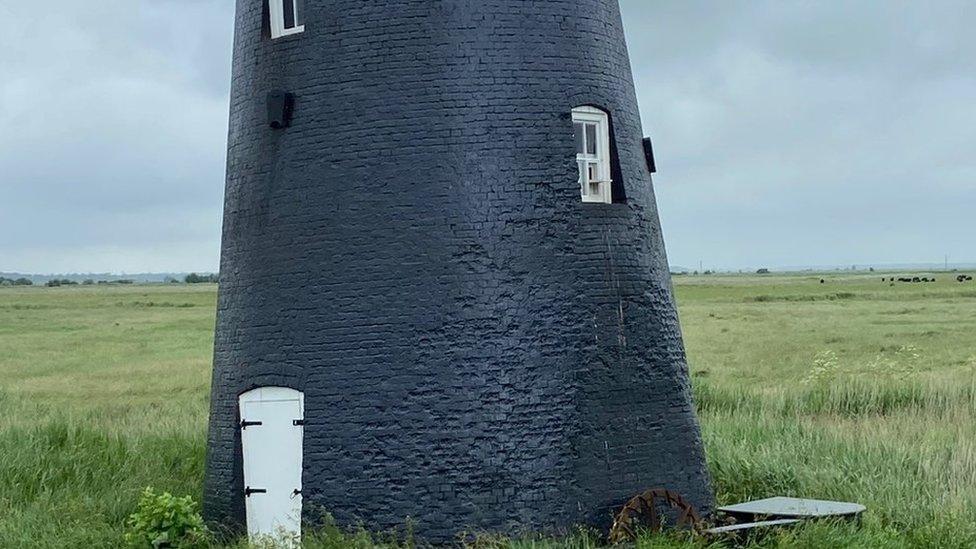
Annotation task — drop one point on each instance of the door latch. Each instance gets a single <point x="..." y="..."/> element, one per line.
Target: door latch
<point x="296" y="492"/>
<point x="298" y="422"/>
<point x="246" y="424"/>
<point x="248" y="491"/>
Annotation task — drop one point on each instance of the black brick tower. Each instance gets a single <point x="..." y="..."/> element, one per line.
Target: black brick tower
<point x="478" y="348"/>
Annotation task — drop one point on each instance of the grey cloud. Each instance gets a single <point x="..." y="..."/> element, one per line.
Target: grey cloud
<point x="115" y="116"/>
<point x="796" y="133"/>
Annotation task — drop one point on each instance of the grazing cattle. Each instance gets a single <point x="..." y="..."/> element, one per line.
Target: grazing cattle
<point x="822" y="281"/>
<point x="964" y="278"/>
<point x="916" y="279"/>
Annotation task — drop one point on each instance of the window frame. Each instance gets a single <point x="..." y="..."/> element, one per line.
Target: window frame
<point x="277" y="19"/>
<point x="592" y="116"/>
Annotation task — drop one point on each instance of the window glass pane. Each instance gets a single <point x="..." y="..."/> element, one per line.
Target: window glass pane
<point x="591" y="139"/>
<point x="578" y="134"/>
<point x="289" y="12"/>
<point x="299" y="13"/>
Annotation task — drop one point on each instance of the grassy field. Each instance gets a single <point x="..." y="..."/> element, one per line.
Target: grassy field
<point x="853" y="390"/>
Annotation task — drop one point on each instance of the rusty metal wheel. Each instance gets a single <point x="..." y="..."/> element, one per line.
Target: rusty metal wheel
<point x="641" y="513"/>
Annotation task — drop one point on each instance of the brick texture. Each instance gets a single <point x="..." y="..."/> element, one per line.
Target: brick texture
<point x="479" y="349"/>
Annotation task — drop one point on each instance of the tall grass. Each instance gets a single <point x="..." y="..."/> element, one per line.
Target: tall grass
<point x="856" y="398"/>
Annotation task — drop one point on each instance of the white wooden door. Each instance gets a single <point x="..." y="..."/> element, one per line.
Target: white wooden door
<point x="272" y="421"/>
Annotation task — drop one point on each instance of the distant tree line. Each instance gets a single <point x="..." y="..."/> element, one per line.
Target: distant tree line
<point x="194" y="278"/>
<point x="54" y="283"/>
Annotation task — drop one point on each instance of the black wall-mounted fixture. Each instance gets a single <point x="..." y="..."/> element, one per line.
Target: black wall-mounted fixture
<point x="649" y="155"/>
<point x="280" y="107"/>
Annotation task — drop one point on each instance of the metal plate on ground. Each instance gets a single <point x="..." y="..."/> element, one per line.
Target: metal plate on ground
<point x="751" y="526"/>
<point x="795" y="508"/>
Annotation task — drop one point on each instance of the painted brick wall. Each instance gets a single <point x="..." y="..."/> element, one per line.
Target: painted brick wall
<point x="477" y="347"/>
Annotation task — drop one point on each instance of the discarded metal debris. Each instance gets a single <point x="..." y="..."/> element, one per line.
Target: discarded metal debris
<point x="787" y="508"/>
<point x="642" y="514"/>
<point x="749" y="527"/>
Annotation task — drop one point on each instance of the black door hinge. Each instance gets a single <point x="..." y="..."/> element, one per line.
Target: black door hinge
<point x="248" y="491"/>
<point x="246" y="424"/>
<point x="298" y="422"/>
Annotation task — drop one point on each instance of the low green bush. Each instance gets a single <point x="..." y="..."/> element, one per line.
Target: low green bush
<point x="164" y="521"/>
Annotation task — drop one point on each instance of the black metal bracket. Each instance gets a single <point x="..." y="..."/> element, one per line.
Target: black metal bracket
<point x="649" y="155"/>
<point x="280" y="107"/>
<point x="296" y="492"/>
<point x="248" y="491"/>
<point x="298" y="422"/>
<point x="246" y="424"/>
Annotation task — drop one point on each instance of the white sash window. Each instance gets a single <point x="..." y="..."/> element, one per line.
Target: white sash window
<point x="287" y="17"/>
<point x="592" y="131"/>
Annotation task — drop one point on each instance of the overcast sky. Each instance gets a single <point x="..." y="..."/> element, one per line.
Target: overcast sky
<point x="786" y="132"/>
